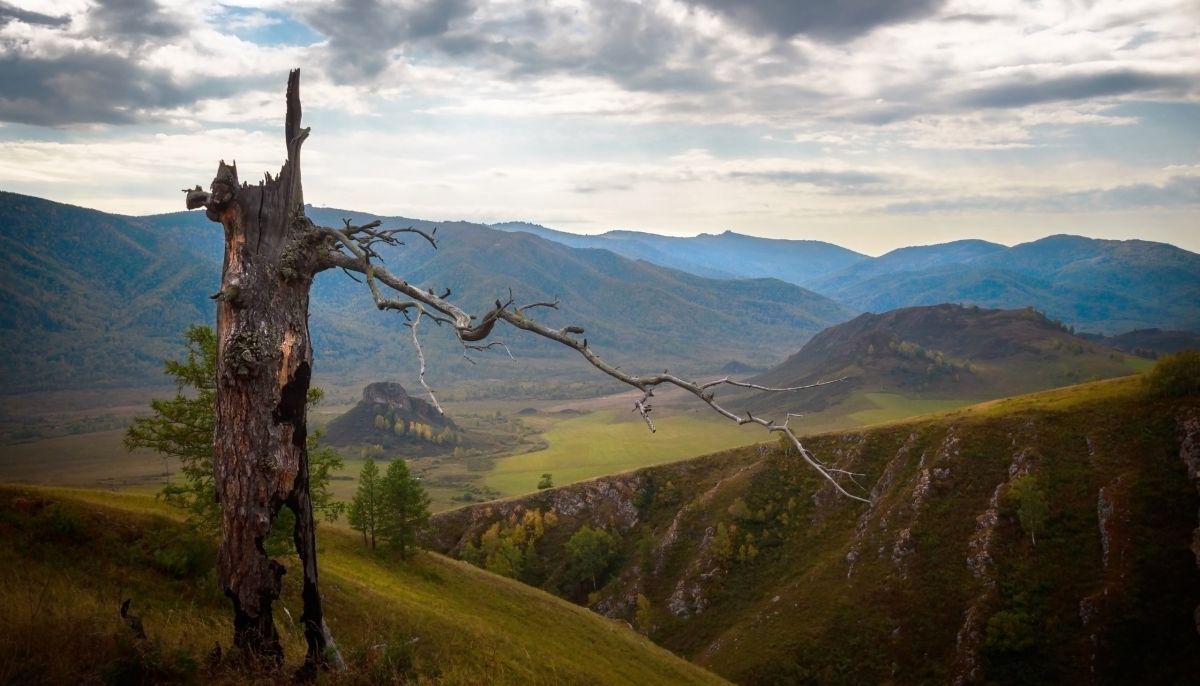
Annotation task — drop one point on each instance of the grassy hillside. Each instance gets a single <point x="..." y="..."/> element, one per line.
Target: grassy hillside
<point x="602" y="443"/>
<point x="745" y="563"/>
<point x="71" y="557"/>
<point x="941" y="353"/>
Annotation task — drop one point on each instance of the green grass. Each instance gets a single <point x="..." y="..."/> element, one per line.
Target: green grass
<point x="889" y="407"/>
<point x="95" y="459"/>
<point x="598" y="444"/>
<point x="425" y="621"/>
<point x="1139" y="364"/>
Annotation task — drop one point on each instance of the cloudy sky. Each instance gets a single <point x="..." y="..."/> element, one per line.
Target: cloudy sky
<point x="869" y="123"/>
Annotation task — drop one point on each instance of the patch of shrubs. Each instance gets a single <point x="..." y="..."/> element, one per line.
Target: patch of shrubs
<point x="1175" y="376"/>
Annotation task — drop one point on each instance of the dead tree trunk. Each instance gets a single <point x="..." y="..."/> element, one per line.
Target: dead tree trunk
<point x="264" y="365"/>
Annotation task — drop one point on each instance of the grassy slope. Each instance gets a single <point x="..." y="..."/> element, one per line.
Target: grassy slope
<point x="840" y="592"/>
<point x="430" y="620"/>
<point x="597" y="444"/>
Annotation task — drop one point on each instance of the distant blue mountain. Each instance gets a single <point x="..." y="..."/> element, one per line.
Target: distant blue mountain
<point x="721" y="256"/>
<point x="1102" y="286"/>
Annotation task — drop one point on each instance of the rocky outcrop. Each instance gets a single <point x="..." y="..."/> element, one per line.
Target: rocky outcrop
<point x="389" y="417"/>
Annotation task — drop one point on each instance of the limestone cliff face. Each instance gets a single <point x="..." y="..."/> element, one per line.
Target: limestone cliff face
<point x="747" y="564"/>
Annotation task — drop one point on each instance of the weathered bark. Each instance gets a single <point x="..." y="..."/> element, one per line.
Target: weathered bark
<point x="264" y="364"/>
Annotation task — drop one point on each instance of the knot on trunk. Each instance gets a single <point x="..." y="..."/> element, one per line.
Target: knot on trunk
<point x="246" y="354"/>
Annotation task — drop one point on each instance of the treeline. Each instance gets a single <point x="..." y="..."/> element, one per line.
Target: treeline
<point x="417" y="429"/>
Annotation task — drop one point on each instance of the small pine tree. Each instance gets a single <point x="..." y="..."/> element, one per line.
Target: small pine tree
<point x="368" y="501"/>
<point x="182" y="428"/>
<point x="405" y="507"/>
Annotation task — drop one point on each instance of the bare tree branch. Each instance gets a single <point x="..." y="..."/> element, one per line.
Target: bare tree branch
<point x="421" y="356"/>
<point x="469" y="332"/>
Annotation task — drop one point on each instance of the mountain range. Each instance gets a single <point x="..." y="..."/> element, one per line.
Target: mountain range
<point x="93" y="299"/>
<point x="1094" y="285"/>
<point x="724" y="256"/>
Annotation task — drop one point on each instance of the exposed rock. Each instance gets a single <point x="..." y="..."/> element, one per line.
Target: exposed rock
<point x="979" y="561"/>
<point x="890" y="474"/>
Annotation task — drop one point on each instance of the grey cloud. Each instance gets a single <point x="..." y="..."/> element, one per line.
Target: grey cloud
<point x="1176" y="191"/>
<point x="362" y="32"/>
<point x="1033" y="91"/>
<point x="972" y="18"/>
<point x="9" y="13"/>
<point x="846" y="182"/>
<point x="837" y="20"/>
<point x="133" y="20"/>
<point x="86" y="87"/>
<point x="627" y="42"/>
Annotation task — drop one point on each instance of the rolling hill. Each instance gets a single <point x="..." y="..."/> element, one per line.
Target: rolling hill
<point x="727" y="255"/>
<point x="73" y="556"/>
<point x="98" y="300"/>
<point x="905" y="260"/>
<point x="945" y="352"/>
<point x="748" y="564"/>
